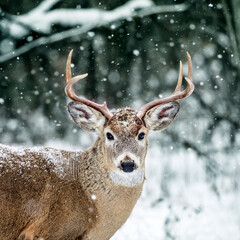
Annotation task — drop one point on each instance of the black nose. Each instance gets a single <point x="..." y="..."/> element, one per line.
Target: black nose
<point x="127" y="166"/>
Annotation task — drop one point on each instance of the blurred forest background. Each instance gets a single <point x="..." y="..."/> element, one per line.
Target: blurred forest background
<point x="131" y="51"/>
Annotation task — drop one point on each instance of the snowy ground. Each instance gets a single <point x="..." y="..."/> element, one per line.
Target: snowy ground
<point x="190" y="211"/>
<point x="177" y="202"/>
<point x="198" y="215"/>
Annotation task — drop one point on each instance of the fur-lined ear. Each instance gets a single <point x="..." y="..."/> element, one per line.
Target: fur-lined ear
<point x="161" y="116"/>
<point x="86" y="117"/>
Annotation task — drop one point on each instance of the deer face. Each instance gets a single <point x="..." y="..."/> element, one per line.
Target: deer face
<point x="126" y="140"/>
<point x="124" y="137"/>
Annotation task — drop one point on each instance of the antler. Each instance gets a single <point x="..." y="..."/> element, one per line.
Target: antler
<point x="177" y="94"/>
<point x="71" y="94"/>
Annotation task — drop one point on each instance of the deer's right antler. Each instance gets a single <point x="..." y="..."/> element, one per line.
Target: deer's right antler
<point x="71" y="94"/>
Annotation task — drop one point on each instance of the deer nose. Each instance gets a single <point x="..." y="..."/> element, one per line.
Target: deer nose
<point x="128" y="166"/>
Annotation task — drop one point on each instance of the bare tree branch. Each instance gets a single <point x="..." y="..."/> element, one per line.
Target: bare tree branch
<point x="46" y="40"/>
<point x="231" y="33"/>
<point x="88" y="19"/>
<point x="44" y="6"/>
<point x="236" y="19"/>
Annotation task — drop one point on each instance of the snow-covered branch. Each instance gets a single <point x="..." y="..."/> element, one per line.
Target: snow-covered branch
<point x="81" y="20"/>
<point x="44" y="6"/>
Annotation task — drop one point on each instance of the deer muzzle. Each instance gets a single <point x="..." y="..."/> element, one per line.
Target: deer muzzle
<point x="128" y="164"/>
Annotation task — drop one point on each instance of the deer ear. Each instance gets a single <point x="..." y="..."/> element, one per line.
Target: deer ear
<point x="161" y="116"/>
<point x="86" y="117"/>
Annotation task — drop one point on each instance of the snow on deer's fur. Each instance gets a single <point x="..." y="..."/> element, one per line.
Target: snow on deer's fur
<point x="51" y="194"/>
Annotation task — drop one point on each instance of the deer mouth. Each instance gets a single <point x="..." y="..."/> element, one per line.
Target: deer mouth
<point x="128" y="166"/>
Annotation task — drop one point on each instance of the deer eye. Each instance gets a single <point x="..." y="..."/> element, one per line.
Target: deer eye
<point x="141" y="136"/>
<point x="109" y="136"/>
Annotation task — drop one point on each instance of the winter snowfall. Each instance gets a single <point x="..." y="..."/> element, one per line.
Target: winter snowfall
<point x="131" y="50"/>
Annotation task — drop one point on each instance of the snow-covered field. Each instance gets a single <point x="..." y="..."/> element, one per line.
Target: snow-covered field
<point x="188" y="209"/>
<point x="197" y="214"/>
<point x="179" y="201"/>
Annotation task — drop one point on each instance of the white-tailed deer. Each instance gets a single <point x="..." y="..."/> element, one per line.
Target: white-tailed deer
<point x="51" y="194"/>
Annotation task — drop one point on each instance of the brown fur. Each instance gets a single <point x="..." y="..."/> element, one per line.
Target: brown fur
<point x="52" y="194"/>
<point x="125" y="122"/>
<point x="36" y="201"/>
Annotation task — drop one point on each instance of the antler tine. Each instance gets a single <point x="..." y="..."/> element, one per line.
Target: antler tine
<point x="189" y="66"/>
<point x="71" y="94"/>
<point x="190" y="87"/>
<point x="68" y="67"/>
<point x="179" y="84"/>
<point x="177" y="94"/>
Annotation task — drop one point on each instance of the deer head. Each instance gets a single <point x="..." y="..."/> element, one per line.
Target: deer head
<point x="124" y="132"/>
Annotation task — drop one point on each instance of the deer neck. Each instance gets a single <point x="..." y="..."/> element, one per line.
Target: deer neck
<point x="110" y="199"/>
<point x="95" y="177"/>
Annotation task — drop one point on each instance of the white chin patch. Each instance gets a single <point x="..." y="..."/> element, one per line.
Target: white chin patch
<point x="127" y="178"/>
